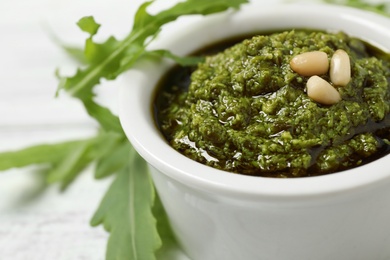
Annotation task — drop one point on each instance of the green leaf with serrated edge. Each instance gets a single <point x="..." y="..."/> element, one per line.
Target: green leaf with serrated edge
<point x="145" y="25"/>
<point x="183" y="61"/>
<point x="134" y="53"/>
<point x="107" y="120"/>
<point x="113" y="161"/>
<point x="129" y="61"/>
<point x="39" y="154"/>
<point x="81" y="156"/>
<point x="88" y="24"/>
<point x="126" y="212"/>
<point x="65" y="160"/>
<point x="105" y="142"/>
<point x="70" y="166"/>
<point x="98" y="148"/>
<point x="380" y="7"/>
<point x="142" y="17"/>
<point x="169" y="242"/>
<point x="76" y="53"/>
<point x="95" y="53"/>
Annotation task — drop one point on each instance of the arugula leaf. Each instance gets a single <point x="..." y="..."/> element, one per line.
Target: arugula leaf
<point x="40" y="154"/>
<point x="114" y="56"/>
<point x="65" y="161"/>
<point x="88" y="24"/>
<point x="183" y="61"/>
<point x="107" y="120"/>
<point x="126" y="213"/>
<point x="380" y="8"/>
<point x="113" y="161"/>
<point x="169" y="243"/>
<point x="76" y="53"/>
<point x="72" y="164"/>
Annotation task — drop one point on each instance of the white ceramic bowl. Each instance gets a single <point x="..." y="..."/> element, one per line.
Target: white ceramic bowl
<point x="218" y="215"/>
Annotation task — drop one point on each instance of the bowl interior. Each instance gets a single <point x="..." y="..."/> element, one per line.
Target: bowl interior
<point x="137" y="87"/>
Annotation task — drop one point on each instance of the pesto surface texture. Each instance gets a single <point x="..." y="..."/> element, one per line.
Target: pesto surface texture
<point x="245" y="111"/>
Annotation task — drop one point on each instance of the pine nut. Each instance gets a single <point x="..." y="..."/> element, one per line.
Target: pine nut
<point x="310" y="63"/>
<point x="321" y="91"/>
<point x="340" y="68"/>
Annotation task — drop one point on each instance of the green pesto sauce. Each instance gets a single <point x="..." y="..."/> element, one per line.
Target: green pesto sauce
<point x="245" y="111"/>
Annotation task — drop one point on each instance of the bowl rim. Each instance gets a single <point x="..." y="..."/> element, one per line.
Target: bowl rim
<point x="135" y="101"/>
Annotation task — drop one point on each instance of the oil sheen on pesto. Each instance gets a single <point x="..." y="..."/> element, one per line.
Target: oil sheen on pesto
<point x="245" y="111"/>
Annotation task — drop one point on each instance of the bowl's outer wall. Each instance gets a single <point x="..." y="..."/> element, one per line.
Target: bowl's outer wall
<point x="218" y="216"/>
<point x="211" y="227"/>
